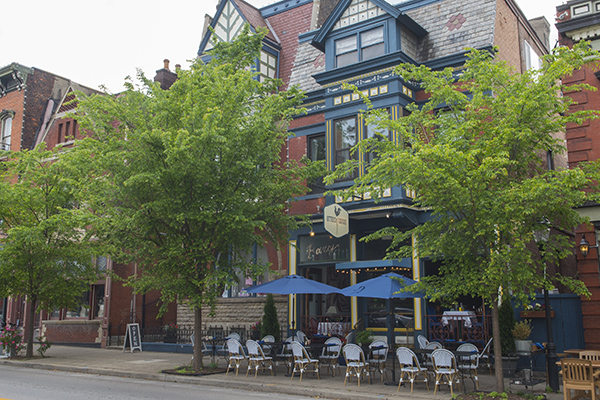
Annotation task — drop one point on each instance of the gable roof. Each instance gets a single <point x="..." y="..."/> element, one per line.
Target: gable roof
<point x="248" y="13"/>
<point x="319" y="39"/>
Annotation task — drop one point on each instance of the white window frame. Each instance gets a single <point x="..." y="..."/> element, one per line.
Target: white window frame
<point x="6" y="120"/>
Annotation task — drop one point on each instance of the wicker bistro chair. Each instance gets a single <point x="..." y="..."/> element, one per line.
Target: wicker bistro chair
<point x="427" y="357"/>
<point x="266" y="346"/>
<point x="410" y="367"/>
<point x="470" y="363"/>
<point x="379" y="353"/>
<point x="444" y="366"/>
<point x="422" y="341"/>
<point x="257" y="358"/>
<point x="355" y="362"/>
<point x="236" y="355"/>
<point x="300" y="337"/>
<point x="286" y="356"/>
<point x="578" y="375"/>
<point x="331" y="353"/>
<point x="302" y="360"/>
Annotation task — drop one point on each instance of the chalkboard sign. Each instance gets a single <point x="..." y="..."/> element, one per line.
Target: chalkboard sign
<point x="133" y="337"/>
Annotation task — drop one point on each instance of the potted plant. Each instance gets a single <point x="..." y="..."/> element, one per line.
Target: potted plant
<point x="270" y="322"/>
<point x="521" y="332"/>
<point x="364" y="339"/>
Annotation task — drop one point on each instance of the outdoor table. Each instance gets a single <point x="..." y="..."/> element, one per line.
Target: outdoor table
<point x="213" y="342"/>
<point x="333" y="328"/>
<point x="458" y="319"/>
<point x="573" y="352"/>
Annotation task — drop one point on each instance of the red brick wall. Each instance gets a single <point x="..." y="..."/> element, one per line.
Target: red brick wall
<point x="38" y="91"/>
<point x="287" y="25"/>
<point x="72" y="331"/>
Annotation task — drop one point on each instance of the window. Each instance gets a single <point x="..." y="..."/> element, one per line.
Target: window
<point x="74" y="129"/>
<point x="83" y="308"/>
<point x="580" y="9"/>
<point x="6" y="129"/>
<point x="317" y="152"/>
<point x="268" y="66"/>
<point x="372" y="131"/>
<point x="60" y="133"/>
<point x="67" y="131"/>
<point x="532" y="60"/>
<point x="370" y="43"/>
<point x="345" y="138"/>
<point x="98" y="306"/>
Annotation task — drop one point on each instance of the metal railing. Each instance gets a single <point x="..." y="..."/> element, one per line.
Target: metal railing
<point x="451" y="330"/>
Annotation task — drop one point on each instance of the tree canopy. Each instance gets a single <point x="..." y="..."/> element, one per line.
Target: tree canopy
<point x="186" y="181"/>
<point x="475" y="154"/>
<point x="47" y="256"/>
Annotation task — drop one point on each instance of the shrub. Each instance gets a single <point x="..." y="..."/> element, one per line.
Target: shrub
<point x="507" y="323"/>
<point x="522" y="330"/>
<point x="11" y="341"/>
<point x="270" y="322"/>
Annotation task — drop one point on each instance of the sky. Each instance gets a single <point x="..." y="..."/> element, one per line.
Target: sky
<point x="101" y="42"/>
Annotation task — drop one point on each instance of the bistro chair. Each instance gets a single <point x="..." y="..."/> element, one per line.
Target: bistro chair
<point x="331" y="353"/>
<point x="410" y="367"/>
<point x="470" y="363"/>
<point x="236" y="355"/>
<point x="590" y="355"/>
<point x="355" y="362"/>
<point x="266" y="347"/>
<point x="302" y="360"/>
<point x="578" y="375"/>
<point x="485" y="354"/>
<point x="427" y="357"/>
<point x="444" y="367"/>
<point x="422" y="340"/>
<point x="234" y="335"/>
<point x="257" y="358"/>
<point x="349" y="337"/>
<point x="378" y="357"/>
<point x="286" y="356"/>
<point x="301" y="337"/>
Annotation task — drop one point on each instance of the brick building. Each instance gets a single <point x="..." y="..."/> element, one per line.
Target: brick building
<point x="33" y="109"/>
<point x="578" y="20"/>
<point x="319" y="45"/>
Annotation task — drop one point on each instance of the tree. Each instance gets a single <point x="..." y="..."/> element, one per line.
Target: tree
<point x="270" y="322"/>
<point x="185" y="181"/>
<point x="46" y="256"/>
<point x="475" y="156"/>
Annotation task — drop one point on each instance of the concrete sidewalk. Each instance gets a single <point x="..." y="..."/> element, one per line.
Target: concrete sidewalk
<point x="148" y="365"/>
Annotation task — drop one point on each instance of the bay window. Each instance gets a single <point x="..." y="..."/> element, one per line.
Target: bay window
<point x="359" y="47"/>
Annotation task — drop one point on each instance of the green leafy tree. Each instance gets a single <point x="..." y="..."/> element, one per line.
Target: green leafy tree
<point x="270" y="322"/>
<point x="186" y="181"/>
<point x="46" y="253"/>
<point x="475" y="156"/>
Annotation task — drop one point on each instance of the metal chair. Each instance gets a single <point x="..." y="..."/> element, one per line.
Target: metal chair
<point x="410" y="367"/>
<point x="302" y="360"/>
<point x="427" y="357"/>
<point x="331" y="353"/>
<point x="485" y="354"/>
<point x="266" y="347"/>
<point x="470" y="363"/>
<point x="355" y="362"/>
<point x="301" y="337"/>
<point x="257" y="358"/>
<point x="578" y="375"/>
<point x="444" y="366"/>
<point x="379" y="353"/>
<point x="236" y="355"/>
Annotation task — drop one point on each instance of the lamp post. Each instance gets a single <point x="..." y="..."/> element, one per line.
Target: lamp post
<point x="541" y="238"/>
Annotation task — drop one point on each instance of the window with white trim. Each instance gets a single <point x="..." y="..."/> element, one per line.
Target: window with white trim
<point x="532" y="60"/>
<point x="5" y="130"/>
<point x="268" y="66"/>
<point x="345" y="137"/>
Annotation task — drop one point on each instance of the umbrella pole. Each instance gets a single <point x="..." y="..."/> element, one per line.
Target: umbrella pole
<point x="391" y="340"/>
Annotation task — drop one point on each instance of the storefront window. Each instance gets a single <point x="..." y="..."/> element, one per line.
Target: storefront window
<point x="83" y="309"/>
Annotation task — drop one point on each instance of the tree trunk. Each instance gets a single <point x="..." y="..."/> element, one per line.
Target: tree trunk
<point x="497" y="348"/>
<point x="29" y="328"/>
<point x="198" y="338"/>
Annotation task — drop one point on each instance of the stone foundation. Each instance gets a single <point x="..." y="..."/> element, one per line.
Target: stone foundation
<point x="235" y="312"/>
<point x="72" y="331"/>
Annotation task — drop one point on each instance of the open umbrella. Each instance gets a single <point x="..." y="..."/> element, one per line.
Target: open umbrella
<point x="293" y="284"/>
<point x="386" y="287"/>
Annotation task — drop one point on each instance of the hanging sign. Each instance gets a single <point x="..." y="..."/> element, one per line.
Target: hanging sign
<point x="336" y="220"/>
<point x="133" y="337"/>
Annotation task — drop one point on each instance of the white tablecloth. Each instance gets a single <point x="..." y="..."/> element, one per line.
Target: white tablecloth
<point x="467" y="316"/>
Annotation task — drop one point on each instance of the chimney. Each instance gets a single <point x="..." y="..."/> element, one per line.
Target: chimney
<point x="542" y="28"/>
<point x="164" y="76"/>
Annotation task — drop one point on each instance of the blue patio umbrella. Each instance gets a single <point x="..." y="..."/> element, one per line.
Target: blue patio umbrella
<point x="293" y="284"/>
<point x="385" y="286"/>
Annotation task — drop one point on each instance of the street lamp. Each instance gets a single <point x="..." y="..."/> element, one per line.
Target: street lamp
<point x="541" y="238"/>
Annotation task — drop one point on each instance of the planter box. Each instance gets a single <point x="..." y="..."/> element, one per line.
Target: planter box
<point x="535" y="314"/>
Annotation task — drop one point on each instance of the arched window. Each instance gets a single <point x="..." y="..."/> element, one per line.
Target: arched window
<point x="6" y="118"/>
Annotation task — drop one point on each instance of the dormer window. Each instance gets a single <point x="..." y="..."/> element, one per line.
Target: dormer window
<point x="369" y="42"/>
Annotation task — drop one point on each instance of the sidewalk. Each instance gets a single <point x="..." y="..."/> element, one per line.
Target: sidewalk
<point x="147" y="365"/>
